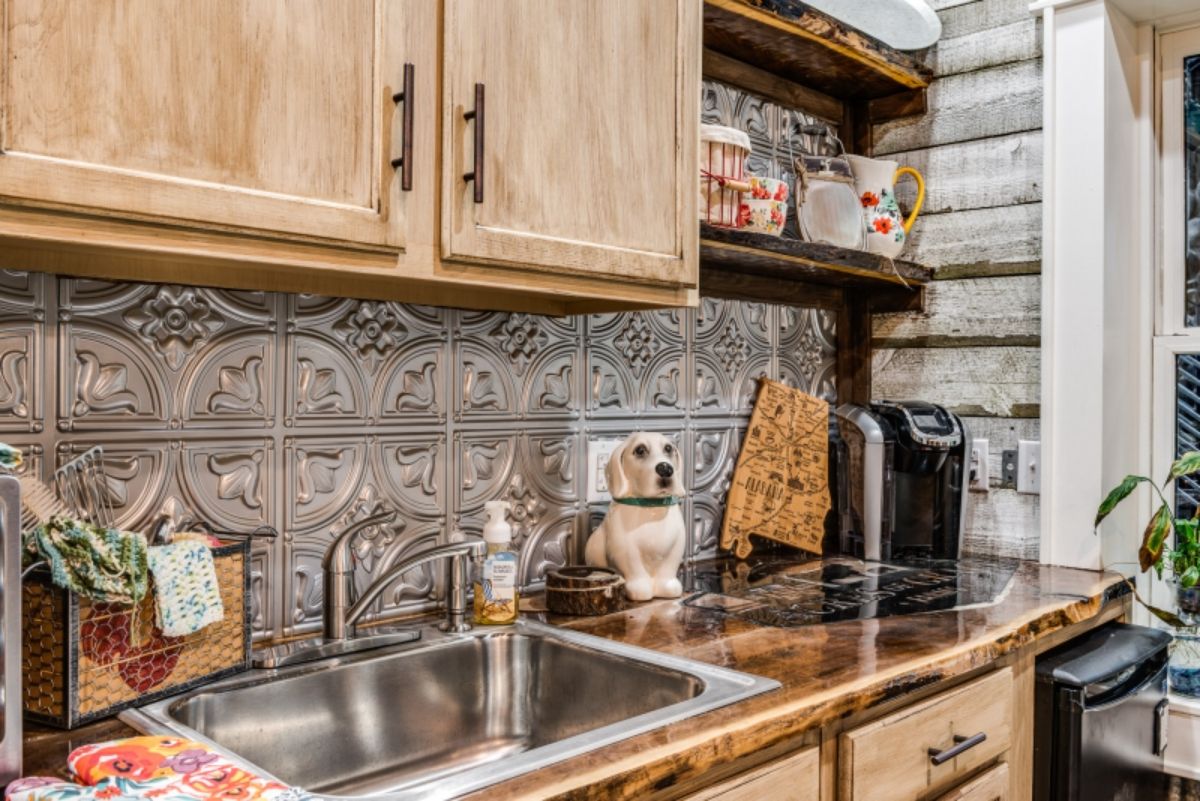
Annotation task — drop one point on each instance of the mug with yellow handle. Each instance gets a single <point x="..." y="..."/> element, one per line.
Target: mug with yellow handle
<point x="875" y="183"/>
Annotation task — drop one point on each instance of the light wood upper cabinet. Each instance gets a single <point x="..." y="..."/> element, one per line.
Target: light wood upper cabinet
<point x="259" y="115"/>
<point x="588" y="136"/>
<point x="250" y="144"/>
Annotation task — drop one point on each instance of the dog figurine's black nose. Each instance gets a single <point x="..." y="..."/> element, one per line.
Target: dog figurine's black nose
<point x="665" y="469"/>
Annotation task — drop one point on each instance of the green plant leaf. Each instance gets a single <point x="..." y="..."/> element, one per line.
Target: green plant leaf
<point x="1119" y="493"/>
<point x="1170" y="618"/>
<point x="1155" y="537"/>
<point x="1185" y="465"/>
<point x="1190" y="577"/>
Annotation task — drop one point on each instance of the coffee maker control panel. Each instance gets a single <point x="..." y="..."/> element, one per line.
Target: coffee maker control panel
<point x="926" y="424"/>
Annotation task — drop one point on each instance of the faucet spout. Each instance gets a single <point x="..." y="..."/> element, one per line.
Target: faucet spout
<point x="456" y="591"/>
<point x="338" y="569"/>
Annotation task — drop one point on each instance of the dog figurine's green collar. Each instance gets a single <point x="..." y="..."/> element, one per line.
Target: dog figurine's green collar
<point x="669" y="500"/>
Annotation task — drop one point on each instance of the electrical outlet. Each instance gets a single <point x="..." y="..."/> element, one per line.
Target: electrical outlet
<point x="1008" y="469"/>
<point x="979" y="466"/>
<point x="1029" y="467"/>
<point x="598" y="452"/>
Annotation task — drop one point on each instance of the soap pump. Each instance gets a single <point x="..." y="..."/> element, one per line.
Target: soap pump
<point x="496" y="584"/>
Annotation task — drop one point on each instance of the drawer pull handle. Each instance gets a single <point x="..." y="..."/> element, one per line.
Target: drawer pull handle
<point x="961" y="744"/>
<point x="476" y="173"/>
<point x="404" y="162"/>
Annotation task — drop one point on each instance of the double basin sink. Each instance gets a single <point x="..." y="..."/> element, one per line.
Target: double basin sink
<point x="446" y="716"/>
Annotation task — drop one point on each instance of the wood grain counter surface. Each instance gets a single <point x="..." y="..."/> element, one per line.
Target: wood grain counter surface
<point x="827" y="672"/>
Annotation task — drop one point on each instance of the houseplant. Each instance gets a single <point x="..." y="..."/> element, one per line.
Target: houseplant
<point x="1175" y="559"/>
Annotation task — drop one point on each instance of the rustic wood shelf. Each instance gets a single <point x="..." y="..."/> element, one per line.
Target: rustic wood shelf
<point x="756" y="266"/>
<point x="792" y="40"/>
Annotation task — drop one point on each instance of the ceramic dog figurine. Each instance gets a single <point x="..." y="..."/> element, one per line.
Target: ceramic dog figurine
<point x="643" y="534"/>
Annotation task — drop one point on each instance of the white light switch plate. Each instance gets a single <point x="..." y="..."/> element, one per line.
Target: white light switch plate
<point x="979" y="465"/>
<point x="597" y="458"/>
<point x="1029" y="467"/>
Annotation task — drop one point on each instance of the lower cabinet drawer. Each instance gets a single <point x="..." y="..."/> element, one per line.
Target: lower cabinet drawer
<point x="791" y="778"/>
<point x="992" y="785"/>
<point x="931" y="746"/>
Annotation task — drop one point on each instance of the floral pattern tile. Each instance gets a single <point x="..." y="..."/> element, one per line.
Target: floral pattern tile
<point x="308" y="413"/>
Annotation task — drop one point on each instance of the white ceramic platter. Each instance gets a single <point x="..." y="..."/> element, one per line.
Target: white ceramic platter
<point x="903" y="24"/>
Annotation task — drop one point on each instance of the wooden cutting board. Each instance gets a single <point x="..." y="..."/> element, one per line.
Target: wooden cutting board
<point x="780" y="486"/>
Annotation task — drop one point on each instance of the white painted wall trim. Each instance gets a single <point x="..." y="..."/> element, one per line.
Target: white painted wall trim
<point x="1183" y="737"/>
<point x="1048" y="342"/>
<point x="1097" y="268"/>
<point x="1040" y="7"/>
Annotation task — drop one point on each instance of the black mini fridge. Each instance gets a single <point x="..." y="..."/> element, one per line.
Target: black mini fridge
<point x="1101" y="717"/>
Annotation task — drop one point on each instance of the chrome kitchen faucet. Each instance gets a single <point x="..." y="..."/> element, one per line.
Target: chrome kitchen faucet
<point x="340" y="615"/>
<point x="341" y="611"/>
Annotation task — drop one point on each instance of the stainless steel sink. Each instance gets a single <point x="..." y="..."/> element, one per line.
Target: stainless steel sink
<point x="450" y="715"/>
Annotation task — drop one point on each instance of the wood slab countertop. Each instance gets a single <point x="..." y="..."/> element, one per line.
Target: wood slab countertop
<point x="827" y="671"/>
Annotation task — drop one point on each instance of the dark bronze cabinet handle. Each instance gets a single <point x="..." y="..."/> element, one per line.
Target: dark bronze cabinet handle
<point x="961" y="744"/>
<point x="404" y="162"/>
<point x="476" y="173"/>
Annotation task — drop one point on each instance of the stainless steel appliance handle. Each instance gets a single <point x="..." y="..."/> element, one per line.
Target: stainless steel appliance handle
<point x="961" y="744"/>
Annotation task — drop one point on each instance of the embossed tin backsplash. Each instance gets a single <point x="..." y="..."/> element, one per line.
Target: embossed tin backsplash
<point x="307" y="413"/>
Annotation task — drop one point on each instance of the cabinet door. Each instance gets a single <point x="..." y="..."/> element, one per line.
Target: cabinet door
<point x="791" y="778"/>
<point x="272" y="116"/>
<point x="930" y="746"/>
<point x="587" y="142"/>
<point x="991" y="786"/>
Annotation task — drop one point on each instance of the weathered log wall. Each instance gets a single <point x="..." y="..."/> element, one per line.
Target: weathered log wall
<point x="976" y="347"/>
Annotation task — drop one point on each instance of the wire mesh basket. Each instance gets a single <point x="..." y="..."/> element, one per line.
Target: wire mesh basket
<point x="83" y="488"/>
<point x="82" y="659"/>
<point x="723" y="153"/>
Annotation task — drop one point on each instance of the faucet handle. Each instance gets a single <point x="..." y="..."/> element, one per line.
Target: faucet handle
<point x="458" y="579"/>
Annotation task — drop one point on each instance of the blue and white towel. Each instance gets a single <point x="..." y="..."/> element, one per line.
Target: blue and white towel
<point x="186" y="594"/>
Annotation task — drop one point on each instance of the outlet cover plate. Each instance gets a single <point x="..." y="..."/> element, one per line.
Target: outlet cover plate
<point x="598" y="451"/>
<point x="980" y="475"/>
<point x="1029" y="467"/>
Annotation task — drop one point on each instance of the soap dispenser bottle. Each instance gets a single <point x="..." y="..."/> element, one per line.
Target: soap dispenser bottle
<point x="496" y="584"/>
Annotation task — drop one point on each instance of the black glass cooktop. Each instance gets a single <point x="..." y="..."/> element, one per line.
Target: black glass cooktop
<point x="788" y="593"/>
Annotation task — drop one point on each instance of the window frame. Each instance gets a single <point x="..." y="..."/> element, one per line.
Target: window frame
<point x="1172" y="337"/>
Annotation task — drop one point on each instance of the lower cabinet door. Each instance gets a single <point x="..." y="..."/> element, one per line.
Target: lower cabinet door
<point x="791" y="778"/>
<point x="926" y="748"/>
<point x="990" y="786"/>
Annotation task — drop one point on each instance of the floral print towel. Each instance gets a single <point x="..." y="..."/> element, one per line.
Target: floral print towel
<point x="186" y="594"/>
<point x="165" y="768"/>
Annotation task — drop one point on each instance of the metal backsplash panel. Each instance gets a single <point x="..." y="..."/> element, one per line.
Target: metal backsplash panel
<point x="308" y="413"/>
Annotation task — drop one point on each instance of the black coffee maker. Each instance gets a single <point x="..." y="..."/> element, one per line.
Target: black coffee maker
<point x="902" y="480"/>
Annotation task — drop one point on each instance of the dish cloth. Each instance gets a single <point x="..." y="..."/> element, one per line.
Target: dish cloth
<point x="99" y="563"/>
<point x="186" y="594"/>
<point x="166" y="768"/>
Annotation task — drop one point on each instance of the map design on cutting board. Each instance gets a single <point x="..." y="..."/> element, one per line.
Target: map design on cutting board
<point x="780" y="486"/>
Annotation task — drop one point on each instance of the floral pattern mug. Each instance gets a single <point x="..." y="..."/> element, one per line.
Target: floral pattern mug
<point x="768" y="189"/>
<point x="763" y="216"/>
